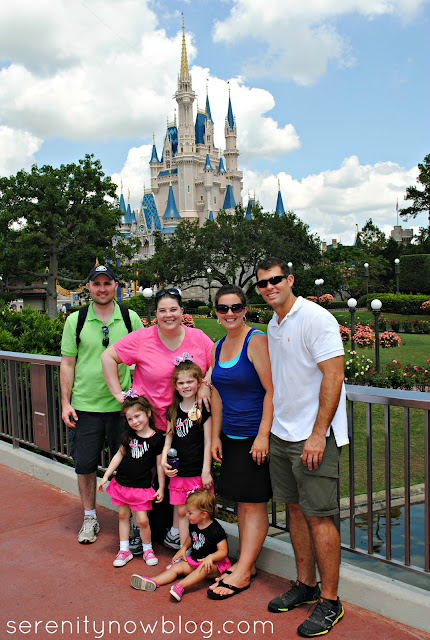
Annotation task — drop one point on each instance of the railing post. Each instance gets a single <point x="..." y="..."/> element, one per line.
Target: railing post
<point x="41" y="406"/>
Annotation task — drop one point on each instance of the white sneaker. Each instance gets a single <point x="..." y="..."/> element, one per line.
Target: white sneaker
<point x="90" y="527"/>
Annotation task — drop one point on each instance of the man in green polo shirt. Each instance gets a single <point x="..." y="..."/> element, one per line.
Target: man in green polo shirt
<point x="88" y="407"/>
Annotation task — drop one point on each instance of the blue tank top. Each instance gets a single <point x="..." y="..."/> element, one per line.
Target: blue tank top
<point x="241" y="392"/>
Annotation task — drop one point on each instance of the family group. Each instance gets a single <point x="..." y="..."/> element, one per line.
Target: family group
<point x="270" y="409"/>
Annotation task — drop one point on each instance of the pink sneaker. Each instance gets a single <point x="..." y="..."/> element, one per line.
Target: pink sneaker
<point x="150" y="558"/>
<point x="177" y="591"/>
<point x="143" y="583"/>
<point x="122" y="557"/>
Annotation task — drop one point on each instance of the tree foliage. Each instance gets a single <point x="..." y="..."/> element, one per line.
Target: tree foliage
<point x="54" y="224"/>
<point x="420" y="198"/>
<point x="231" y="246"/>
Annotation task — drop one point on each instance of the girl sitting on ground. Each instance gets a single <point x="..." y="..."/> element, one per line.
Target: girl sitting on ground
<point x="208" y="543"/>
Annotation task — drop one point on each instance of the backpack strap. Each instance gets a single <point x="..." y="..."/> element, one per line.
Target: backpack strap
<point x="125" y="312"/>
<point x="83" y="311"/>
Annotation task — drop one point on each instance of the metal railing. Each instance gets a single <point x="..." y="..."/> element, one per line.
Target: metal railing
<point x="30" y="416"/>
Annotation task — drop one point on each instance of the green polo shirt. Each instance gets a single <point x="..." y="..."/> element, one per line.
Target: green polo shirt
<point x="90" y="392"/>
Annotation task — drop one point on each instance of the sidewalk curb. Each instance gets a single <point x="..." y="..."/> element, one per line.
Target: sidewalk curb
<point x="404" y="603"/>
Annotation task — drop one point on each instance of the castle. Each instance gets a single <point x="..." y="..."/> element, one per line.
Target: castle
<point x="193" y="179"/>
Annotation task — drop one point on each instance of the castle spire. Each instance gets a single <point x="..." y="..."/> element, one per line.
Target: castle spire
<point x="230" y="117"/>
<point x="184" y="73"/>
<point x="279" y="203"/>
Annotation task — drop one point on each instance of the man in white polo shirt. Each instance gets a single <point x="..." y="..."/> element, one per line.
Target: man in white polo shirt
<point x="309" y="428"/>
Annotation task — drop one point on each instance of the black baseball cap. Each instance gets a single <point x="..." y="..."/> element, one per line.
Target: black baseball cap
<point x="101" y="270"/>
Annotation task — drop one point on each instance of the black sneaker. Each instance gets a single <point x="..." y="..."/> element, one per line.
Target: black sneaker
<point x="135" y="540"/>
<point x="297" y="595"/>
<point x="322" y="619"/>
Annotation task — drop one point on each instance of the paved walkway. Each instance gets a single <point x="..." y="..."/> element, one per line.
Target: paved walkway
<point x="56" y="588"/>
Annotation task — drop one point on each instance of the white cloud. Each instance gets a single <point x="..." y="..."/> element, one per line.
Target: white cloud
<point x="96" y="62"/>
<point x="135" y="175"/>
<point x="334" y="201"/>
<point x="17" y="150"/>
<point x="300" y="38"/>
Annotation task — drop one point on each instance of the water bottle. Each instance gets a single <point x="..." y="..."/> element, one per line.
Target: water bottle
<point x="173" y="458"/>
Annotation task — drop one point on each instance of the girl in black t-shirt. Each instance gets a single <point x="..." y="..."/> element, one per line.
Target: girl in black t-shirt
<point x="208" y="543"/>
<point x="189" y="432"/>
<point x="130" y="489"/>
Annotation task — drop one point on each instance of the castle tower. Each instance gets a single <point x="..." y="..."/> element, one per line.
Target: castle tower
<point x="279" y="203"/>
<point x="231" y="152"/>
<point x="186" y="156"/>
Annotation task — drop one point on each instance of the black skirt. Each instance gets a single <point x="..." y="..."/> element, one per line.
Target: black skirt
<point x="241" y="479"/>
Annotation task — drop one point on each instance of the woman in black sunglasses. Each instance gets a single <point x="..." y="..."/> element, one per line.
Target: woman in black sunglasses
<point x="242" y="408"/>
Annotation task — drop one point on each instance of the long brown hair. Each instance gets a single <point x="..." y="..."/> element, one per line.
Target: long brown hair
<point x="184" y="367"/>
<point x="127" y="433"/>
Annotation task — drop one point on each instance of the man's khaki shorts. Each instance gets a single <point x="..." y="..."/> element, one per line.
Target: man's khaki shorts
<point x="292" y="482"/>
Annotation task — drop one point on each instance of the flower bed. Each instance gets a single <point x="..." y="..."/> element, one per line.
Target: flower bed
<point x="389" y="339"/>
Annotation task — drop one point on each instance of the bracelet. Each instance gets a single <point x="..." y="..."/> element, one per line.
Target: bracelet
<point x="208" y="384"/>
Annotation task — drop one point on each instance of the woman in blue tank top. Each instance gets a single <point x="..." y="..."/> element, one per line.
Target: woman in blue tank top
<point x="242" y="411"/>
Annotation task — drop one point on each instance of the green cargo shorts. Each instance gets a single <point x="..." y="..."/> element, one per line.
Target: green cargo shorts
<point x="292" y="482"/>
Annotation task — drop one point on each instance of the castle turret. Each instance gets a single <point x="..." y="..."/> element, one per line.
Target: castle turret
<point x="279" y="203"/>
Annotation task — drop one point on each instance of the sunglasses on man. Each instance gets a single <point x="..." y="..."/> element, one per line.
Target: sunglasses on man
<point x="262" y="284"/>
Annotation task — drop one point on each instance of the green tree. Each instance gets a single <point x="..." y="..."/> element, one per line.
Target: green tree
<point x="371" y="239"/>
<point x="421" y="199"/>
<point x="231" y="246"/>
<point x="54" y="224"/>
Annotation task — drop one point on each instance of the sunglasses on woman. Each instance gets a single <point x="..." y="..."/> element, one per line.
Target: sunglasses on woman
<point x="235" y="308"/>
<point x="262" y="284"/>
<point x="173" y="292"/>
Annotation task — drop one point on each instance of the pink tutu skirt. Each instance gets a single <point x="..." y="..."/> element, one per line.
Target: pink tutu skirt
<point x="180" y="488"/>
<point x="137" y="499"/>
<point x="222" y="565"/>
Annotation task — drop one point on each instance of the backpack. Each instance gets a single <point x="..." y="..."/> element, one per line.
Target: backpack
<point x="125" y="312"/>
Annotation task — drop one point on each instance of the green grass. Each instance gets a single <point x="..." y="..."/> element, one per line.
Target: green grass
<point x="414" y="349"/>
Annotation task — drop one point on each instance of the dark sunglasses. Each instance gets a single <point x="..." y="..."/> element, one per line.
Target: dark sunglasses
<point x="173" y="292"/>
<point x="223" y="308"/>
<point x="105" y="341"/>
<point x="262" y="284"/>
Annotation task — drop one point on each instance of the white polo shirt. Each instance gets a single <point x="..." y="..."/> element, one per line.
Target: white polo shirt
<point x="307" y="335"/>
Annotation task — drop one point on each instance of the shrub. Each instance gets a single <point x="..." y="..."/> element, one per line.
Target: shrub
<point x="204" y="310"/>
<point x="395" y="324"/>
<point x="326" y="299"/>
<point x="425" y="306"/>
<point x="420" y="326"/>
<point x="357" y="368"/>
<point x="345" y="333"/>
<point x="363" y="336"/>
<point x="389" y="339"/>
<point x="401" y="303"/>
<point x="312" y="299"/>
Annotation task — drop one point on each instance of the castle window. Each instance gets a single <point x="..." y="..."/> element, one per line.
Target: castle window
<point x="188" y="188"/>
<point x="201" y="197"/>
<point x="214" y="199"/>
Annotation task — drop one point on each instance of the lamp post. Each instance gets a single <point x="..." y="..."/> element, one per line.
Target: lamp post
<point x="397" y="272"/>
<point x="209" y="272"/>
<point x="318" y="284"/>
<point x="376" y="308"/>
<point x="366" y="275"/>
<point x="352" y="304"/>
<point x="147" y="294"/>
<point x="290" y="266"/>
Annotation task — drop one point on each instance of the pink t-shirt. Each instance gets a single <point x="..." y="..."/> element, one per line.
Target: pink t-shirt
<point x="155" y="364"/>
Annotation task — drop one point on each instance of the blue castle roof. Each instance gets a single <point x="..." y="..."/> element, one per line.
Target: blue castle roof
<point x="150" y="211"/>
<point x="221" y="167"/>
<point x="200" y="127"/>
<point x="208" y="109"/>
<point x="171" y="209"/>
<point x="230" y="117"/>
<point x="211" y="216"/>
<point x="122" y="203"/>
<point x="280" y="205"/>
<point x="248" y="213"/>
<point x="229" y="201"/>
<point x="154" y="156"/>
<point x="208" y="166"/>
<point x="172" y="134"/>
<point x="167" y="172"/>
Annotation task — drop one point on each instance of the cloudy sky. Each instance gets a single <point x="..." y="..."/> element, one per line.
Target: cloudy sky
<point x="331" y="98"/>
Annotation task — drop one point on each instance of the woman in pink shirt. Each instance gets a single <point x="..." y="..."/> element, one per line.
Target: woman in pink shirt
<point x="155" y="351"/>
